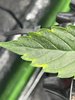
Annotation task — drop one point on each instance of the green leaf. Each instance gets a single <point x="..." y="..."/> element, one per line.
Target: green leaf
<point x="52" y="49"/>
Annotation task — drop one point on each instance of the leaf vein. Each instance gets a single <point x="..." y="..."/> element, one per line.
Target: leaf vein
<point x="64" y="41"/>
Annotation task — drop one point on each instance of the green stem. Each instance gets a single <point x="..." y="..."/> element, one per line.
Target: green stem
<point x="57" y="6"/>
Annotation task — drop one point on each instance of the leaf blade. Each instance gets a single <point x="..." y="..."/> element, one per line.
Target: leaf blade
<point x="52" y="49"/>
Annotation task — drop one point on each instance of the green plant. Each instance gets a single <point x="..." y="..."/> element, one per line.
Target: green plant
<point x="52" y="49"/>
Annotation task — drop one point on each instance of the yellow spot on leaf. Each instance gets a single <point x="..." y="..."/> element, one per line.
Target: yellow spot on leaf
<point x="41" y="65"/>
<point x="52" y="30"/>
